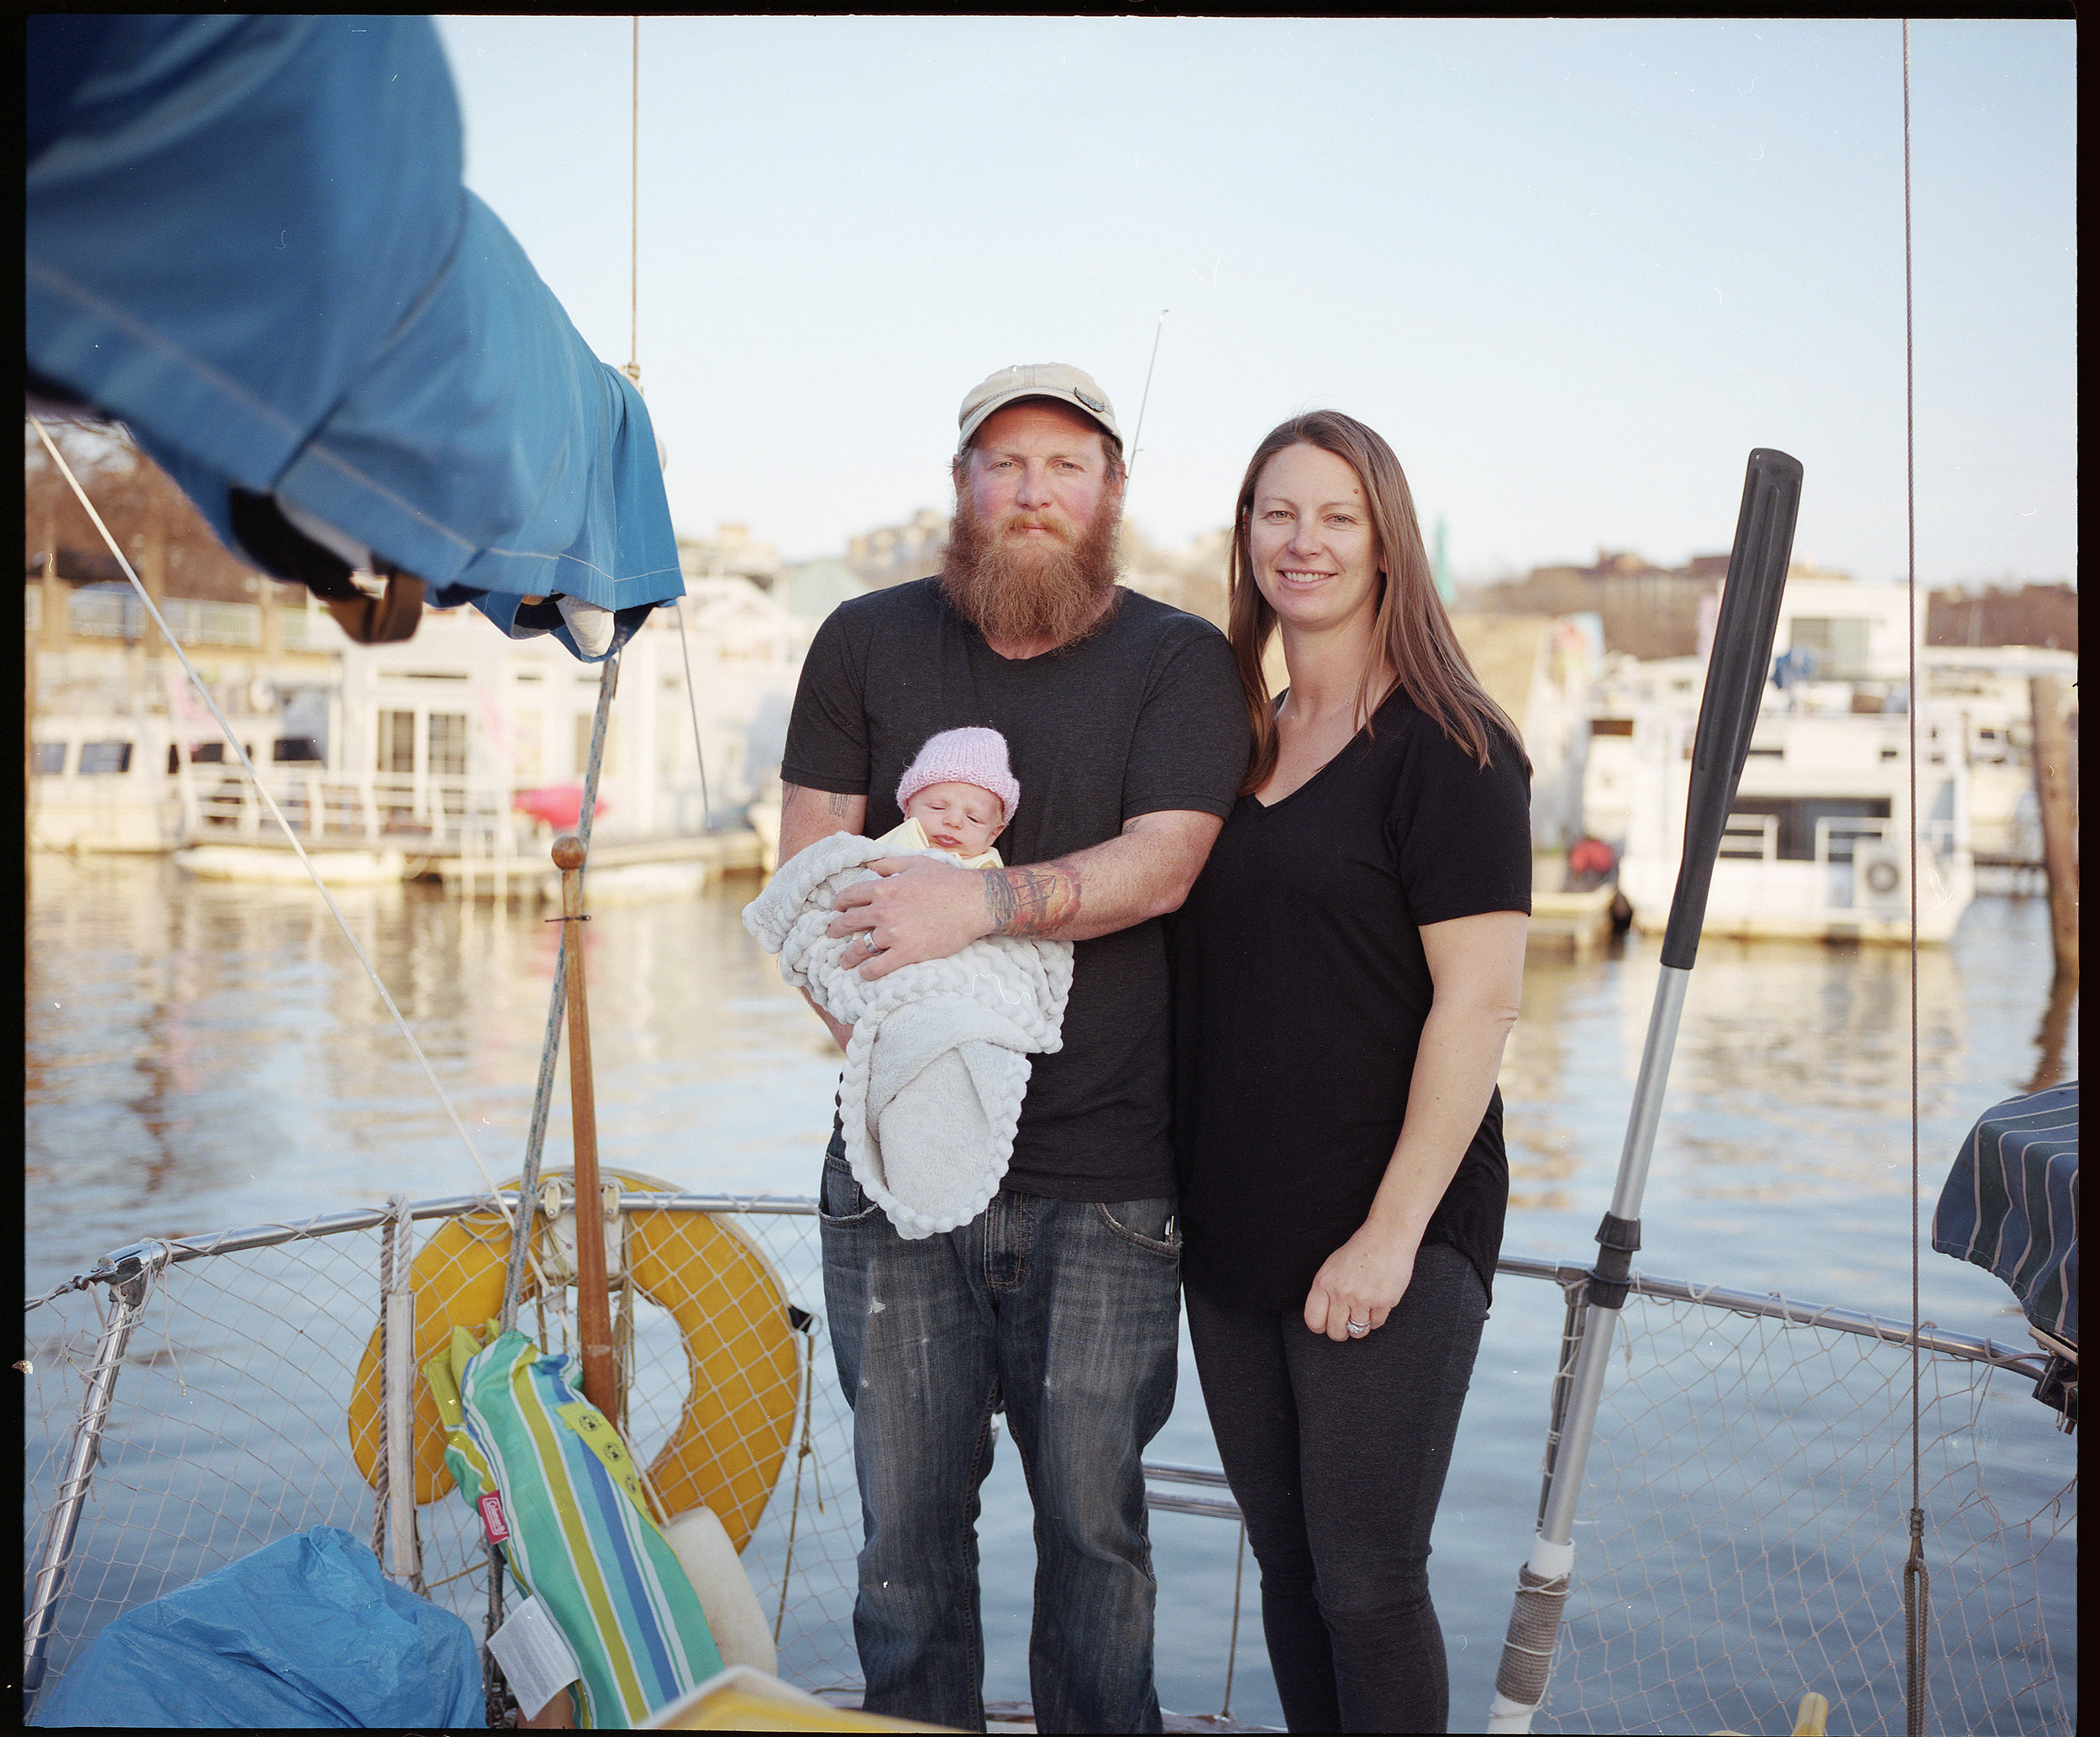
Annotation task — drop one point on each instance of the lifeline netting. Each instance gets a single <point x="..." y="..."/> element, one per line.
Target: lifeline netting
<point x="228" y="1429"/>
<point x="1739" y="1540"/>
<point x="1742" y="1534"/>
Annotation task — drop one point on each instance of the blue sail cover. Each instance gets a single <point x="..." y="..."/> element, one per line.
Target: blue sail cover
<point x="247" y="238"/>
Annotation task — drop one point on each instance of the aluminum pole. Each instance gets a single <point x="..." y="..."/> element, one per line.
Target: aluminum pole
<point x="130" y="1292"/>
<point x="1736" y="679"/>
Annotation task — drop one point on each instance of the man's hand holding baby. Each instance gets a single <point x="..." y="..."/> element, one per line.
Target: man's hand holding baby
<point x="917" y="909"/>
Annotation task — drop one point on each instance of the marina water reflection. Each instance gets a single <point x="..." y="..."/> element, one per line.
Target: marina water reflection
<point x="203" y="1054"/>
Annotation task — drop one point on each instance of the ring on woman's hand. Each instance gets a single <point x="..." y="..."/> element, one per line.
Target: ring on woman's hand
<point x="1358" y="1329"/>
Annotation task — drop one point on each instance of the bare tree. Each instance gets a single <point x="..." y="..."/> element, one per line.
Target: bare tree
<point x="163" y="536"/>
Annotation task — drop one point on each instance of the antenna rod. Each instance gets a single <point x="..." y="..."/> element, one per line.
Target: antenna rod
<point x="1145" y="397"/>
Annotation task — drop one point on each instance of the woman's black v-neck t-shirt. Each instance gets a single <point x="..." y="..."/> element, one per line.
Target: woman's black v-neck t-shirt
<point x="1300" y="990"/>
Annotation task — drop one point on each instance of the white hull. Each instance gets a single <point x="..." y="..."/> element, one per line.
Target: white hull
<point x="615" y="884"/>
<point x="1817" y="848"/>
<point x="262" y="864"/>
<point x="1778" y="901"/>
<point x="125" y="823"/>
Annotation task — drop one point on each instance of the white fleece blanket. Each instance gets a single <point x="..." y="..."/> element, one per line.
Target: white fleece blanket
<point x="938" y="1062"/>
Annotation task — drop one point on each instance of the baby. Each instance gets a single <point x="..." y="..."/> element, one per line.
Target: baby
<point x="956" y="795"/>
<point x="937" y="1064"/>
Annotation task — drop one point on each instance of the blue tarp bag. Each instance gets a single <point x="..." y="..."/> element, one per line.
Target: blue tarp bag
<point x="305" y="1632"/>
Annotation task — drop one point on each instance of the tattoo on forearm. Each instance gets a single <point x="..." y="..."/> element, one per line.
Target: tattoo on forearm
<point x="835" y="805"/>
<point x="1034" y="902"/>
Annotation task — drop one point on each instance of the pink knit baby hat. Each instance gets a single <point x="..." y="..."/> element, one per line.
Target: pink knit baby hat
<point x="975" y="756"/>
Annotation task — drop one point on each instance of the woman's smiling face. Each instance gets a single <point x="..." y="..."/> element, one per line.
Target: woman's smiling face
<point x="1315" y="554"/>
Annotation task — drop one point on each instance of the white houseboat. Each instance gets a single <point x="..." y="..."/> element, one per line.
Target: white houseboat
<point x="1814" y="846"/>
<point x="1989" y="685"/>
<point x="452" y="754"/>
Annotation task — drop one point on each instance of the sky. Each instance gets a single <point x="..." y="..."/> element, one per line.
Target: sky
<point x="1573" y="271"/>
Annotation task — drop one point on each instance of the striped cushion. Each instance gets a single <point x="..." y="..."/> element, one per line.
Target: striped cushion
<point x="2011" y="1203"/>
<point x="555" y="1486"/>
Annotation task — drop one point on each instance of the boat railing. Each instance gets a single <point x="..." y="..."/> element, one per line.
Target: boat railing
<point x="194" y="621"/>
<point x="419" y="812"/>
<point x="1839" y="836"/>
<point x="1751" y="836"/>
<point x="186" y="1402"/>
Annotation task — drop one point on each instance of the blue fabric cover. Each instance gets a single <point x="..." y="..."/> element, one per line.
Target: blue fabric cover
<point x="2011" y="1203"/>
<point x="247" y="238"/>
<point x="305" y="1633"/>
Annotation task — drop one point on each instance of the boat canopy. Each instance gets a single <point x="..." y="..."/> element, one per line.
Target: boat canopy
<point x="247" y="240"/>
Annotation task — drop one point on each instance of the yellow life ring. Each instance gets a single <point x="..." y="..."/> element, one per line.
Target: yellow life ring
<point x="743" y="1356"/>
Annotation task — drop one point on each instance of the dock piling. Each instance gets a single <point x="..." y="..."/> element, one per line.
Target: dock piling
<point x="2053" y="791"/>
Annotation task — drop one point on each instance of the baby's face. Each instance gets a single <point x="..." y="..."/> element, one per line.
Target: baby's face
<point x="959" y="817"/>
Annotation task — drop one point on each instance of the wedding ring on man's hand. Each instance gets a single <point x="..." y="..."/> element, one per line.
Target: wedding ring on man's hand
<point x="1358" y="1329"/>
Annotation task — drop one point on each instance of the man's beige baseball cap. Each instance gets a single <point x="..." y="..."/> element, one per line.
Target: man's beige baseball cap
<point x="1036" y="379"/>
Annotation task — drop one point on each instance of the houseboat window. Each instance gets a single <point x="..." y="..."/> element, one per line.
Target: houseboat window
<point x="101" y="758"/>
<point x="1611" y="726"/>
<point x="1836" y="643"/>
<point x="448" y="744"/>
<point x="295" y="748"/>
<point x="1798" y="816"/>
<point x="50" y="757"/>
<point x="397" y="741"/>
<point x="208" y="753"/>
<point x="525" y="734"/>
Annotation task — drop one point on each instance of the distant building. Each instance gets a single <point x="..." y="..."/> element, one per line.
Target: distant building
<point x="1539" y="669"/>
<point x="1852" y="639"/>
<point x="732" y="552"/>
<point x="812" y="590"/>
<point x="893" y="553"/>
<point x="2039" y="614"/>
<point x="1192" y="578"/>
<point x="1647" y="611"/>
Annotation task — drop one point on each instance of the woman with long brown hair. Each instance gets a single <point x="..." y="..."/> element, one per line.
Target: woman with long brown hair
<point x="1346" y="969"/>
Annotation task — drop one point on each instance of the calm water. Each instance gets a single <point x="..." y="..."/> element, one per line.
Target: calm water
<point x="203" y="1056"/>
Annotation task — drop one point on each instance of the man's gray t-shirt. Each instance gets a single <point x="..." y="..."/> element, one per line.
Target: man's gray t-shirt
<point x="1143" y="715"/>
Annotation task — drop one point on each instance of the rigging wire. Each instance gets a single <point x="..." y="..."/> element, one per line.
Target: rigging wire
<point x="634" y="210"/>
<point x="1917" y="1578"/>
<point x="634" y="374"/>
<point x="692" y="705"/>
<point x="255" y="783"/>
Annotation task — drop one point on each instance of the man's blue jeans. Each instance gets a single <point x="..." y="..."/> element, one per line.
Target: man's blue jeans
<point x="1066" y="1313"/>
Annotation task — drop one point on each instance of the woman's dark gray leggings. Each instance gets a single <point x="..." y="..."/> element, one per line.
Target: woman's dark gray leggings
<point x="1336" y="1454"/>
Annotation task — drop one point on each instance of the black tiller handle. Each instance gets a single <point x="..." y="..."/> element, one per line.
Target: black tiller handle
<point x="1735" y="677"/>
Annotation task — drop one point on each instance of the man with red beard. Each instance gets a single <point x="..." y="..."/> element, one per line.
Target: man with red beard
<point x="1059" y="1304"/>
